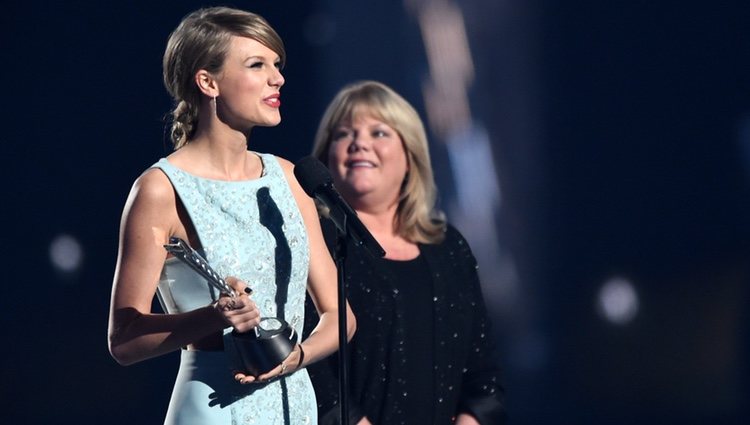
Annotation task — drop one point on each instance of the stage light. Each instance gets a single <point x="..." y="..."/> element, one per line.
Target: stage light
<point x="617" y="301"/>
<point x="66" y="253"/>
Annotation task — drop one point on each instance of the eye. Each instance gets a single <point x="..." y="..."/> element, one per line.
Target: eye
<point x="341" y="134"/>
<point x="379" y="134"/>
<point x="277" y="64"/>
<point x="257" y="64"/>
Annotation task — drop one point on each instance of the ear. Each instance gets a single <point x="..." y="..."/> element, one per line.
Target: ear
<point x="206" y="83"/>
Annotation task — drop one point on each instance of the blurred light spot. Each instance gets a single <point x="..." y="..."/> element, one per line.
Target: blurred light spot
<point x="319" y="29"/>
<point x="65" y="253"/>
<point x="618" y="301"/>
<point x="451" y="66"/>
<point x="470" y="154"/>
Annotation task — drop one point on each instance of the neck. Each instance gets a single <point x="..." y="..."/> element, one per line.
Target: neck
<point x="223" y="150"/>
<point x="383" y="228"/>
<point x="379" y="220"/>
<point x="381" y="223"/>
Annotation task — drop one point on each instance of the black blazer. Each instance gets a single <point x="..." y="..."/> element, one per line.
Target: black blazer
<point x="467" y="377"/>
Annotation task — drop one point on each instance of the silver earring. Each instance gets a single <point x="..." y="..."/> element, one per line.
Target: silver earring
<point x="214" y="106"/>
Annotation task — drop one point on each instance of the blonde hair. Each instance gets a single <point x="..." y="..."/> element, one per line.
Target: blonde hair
<point x="201" y="41"/>
<point x="416" y="220"/>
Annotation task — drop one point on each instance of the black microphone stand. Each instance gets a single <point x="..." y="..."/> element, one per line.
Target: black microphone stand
<point x="340" y="260"/>
<point x="316" y="180"/>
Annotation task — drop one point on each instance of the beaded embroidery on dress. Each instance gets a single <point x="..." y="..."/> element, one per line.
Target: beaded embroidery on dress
<point x="253" y="230"/>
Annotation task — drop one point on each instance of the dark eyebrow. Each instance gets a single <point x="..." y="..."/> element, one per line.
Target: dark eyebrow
<point x="263" y="58"/>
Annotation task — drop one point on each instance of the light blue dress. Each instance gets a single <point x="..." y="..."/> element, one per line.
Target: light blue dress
<point x="252" y="230"/>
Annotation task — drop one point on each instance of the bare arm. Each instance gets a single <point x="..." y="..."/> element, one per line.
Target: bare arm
<point x="135" y="333"/>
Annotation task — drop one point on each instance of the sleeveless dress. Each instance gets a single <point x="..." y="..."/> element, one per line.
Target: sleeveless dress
<point x="253" y="230"/>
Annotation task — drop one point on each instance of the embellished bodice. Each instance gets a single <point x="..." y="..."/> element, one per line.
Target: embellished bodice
<point x="249" y="229"/>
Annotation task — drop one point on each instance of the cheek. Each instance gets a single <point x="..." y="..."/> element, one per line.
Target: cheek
<point x="396" y="156"/>
<point x="338" y="173"/>
<point x="333" y="162"/>
<point x="336" y="154"/>
<point x="248" y="86"/>
<point x="402" y="169"/>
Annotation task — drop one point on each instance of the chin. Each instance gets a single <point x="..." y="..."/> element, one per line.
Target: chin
<point x="268" y="119"/>
<point x="269" y="123"/>
<point x="359" y="190"/>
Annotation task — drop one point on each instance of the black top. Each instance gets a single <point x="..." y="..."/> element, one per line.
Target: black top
<point x="414" y="286"/>
<point x="465" y="376"/>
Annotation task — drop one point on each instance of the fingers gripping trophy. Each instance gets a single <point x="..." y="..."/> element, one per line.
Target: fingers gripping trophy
<point x="264" y="347"/>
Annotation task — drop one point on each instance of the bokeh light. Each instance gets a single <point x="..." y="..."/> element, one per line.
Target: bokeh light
<point x="618" y="301"/>
<point x="66" y="253"/>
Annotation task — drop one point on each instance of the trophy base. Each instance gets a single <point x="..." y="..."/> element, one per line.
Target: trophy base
<point x="266" y="347"/>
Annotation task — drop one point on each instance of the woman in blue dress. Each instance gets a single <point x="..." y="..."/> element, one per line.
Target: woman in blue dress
<point x="248" y="216"/>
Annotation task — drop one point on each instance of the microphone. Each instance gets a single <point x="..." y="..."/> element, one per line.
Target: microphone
<point x="315" y="179"/>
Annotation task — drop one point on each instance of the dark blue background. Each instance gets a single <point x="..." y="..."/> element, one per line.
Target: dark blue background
<point x="617" y="128"/>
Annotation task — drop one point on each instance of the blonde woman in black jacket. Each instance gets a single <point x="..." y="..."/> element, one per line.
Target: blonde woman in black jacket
<point x="423" y="352"/>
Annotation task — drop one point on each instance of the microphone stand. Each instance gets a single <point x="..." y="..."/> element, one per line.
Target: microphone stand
<point x="340" y="259"/>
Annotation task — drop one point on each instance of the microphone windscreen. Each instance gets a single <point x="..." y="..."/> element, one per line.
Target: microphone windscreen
<point x="311" y="174"/>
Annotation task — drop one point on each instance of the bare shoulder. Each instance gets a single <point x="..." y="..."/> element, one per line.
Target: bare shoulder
<point x="288" y="168"/>
<point x="286" y="165"/>
<point x="152" y="197"/>
<point x="153" y="186"/>
<point x="305" y="203"/>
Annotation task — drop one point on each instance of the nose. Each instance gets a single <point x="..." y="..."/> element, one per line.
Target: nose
<point x="358" y="143"/>
<point x="276" y="79"/>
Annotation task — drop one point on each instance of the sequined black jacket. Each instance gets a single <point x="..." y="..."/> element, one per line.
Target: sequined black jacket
<point x="466" y="373"/>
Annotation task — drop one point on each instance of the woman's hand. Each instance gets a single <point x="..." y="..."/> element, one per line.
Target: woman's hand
<point x="239" y="312"/>
<point x="293" y="362"/>
<point x="466" y="419"/>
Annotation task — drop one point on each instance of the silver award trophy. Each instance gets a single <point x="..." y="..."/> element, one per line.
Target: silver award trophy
<point x="261" y="349"/>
